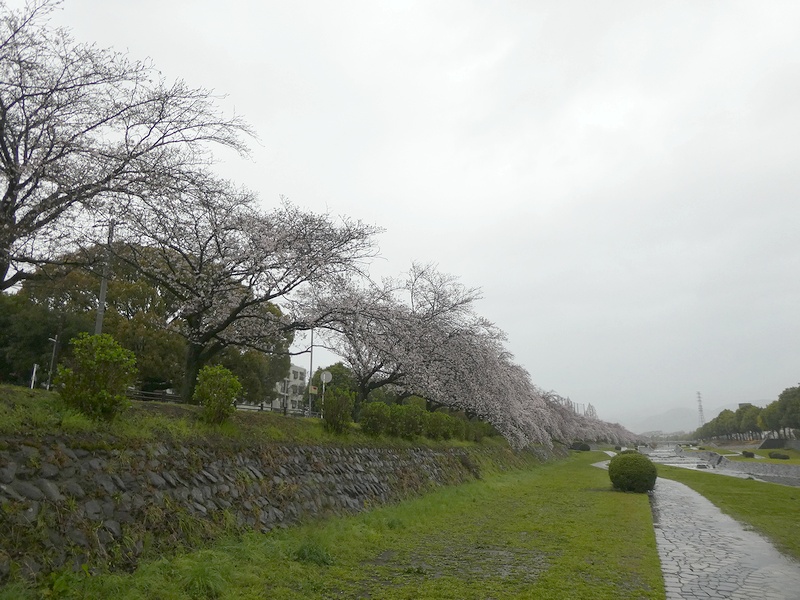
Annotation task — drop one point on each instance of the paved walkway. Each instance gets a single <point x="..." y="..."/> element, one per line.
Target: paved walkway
<point x="706" y="554"/>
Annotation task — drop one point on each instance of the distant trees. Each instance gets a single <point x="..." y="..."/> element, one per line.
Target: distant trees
<point x="780" y="418"/>
<point x="84" y="129"/>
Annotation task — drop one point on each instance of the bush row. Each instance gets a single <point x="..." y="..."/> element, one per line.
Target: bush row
<point x="779" y="455"/>
<point x="409" y="421"/>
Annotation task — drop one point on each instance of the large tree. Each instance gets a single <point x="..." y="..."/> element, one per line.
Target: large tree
<point x="384" y="331"/>
<point x="237" y="273"/>
<point x="82" y="126"/>
<point x="421" y="335"/>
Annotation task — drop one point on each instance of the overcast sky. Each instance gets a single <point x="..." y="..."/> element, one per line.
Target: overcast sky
<point x="620" y="178"/>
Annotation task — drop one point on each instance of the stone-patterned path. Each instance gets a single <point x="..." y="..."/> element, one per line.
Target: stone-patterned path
<point x="706" y="554"/>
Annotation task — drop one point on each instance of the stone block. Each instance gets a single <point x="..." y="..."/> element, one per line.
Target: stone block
<point x="27" y="490"/>
<point x="49" y="489"/>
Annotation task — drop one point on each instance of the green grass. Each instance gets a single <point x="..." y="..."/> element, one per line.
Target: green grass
<point x="40" y="413"/>
<point x="551" y="532"/>
<point x="771" y="509"/>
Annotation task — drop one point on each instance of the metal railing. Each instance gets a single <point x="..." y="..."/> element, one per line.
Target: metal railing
<point x="157" y="396"/>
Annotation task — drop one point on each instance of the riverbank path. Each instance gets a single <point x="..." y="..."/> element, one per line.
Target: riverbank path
<point x="707" y="554"/>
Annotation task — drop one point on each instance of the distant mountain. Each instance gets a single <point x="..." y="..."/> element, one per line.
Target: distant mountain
<point x="679" y="418"/>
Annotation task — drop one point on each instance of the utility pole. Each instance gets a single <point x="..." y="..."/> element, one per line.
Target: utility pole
<point x="52" y="361"/>
<point x="310" y="371"/>
<point x="101" y="304"/>
<point x="700" y="409"/>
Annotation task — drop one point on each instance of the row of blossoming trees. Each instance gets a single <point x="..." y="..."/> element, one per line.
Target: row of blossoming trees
<point x="89" y="137"/>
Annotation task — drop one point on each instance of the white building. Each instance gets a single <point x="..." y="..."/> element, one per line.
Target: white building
<point x="291" y="391"/>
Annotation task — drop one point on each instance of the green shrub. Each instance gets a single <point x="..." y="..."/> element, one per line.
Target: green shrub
<point x="748" y="454"/>
<point x="395" y="426"/>
<point x="100" y="372"/>
<point x="375" y="418"/>
<point x="629" y="451"/>
<point x="411" y="420"/>
<point x="779" y="455"/>
<point x="438" y="426"/>
<point x="477" y="430"/>
<point x="215" y="392"/>
<point x="580" y="446"/>
<point x="472" y="432"/>
<point x="337" y="411"/>
<point x="459" y="427"/>
<point x="632" y="473"/>
<point x="618" y="448"/>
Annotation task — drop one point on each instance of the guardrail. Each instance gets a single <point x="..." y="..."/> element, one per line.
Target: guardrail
<point x="164" y="396"/>
<point x="266" y="406"/>
<point x="159" y="396"/>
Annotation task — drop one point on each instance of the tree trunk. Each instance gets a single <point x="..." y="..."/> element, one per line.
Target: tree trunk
<point x="192" y="368"/>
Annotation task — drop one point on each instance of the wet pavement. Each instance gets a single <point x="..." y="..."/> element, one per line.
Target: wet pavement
<point x="706" y="554"/>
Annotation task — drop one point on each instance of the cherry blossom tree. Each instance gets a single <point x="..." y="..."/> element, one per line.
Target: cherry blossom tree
<point x="236" y="272"/>
<point x="422" y="336"/>
<point x="82" y="126"/>
<point x="382" y="330"/>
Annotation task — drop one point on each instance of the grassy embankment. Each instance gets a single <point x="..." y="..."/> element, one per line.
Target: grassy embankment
<point x="555" y="531"/>
<point x="771" y="509"/>
<point x="40" y="413"/>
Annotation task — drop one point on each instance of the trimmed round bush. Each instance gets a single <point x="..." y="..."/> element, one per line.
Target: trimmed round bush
<point x="580" y="446"/>
<point x="748" y="454"/>
<point x="629" y="451"/>
<point x="779" y="455"/>
<point x="632" y="473"/>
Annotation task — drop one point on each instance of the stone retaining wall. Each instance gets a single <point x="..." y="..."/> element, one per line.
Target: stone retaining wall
<point x="749" y="467"/>
<point x="759" y="468"/>
<point x="779" y="443"/>
<point x="68" y="503"/>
